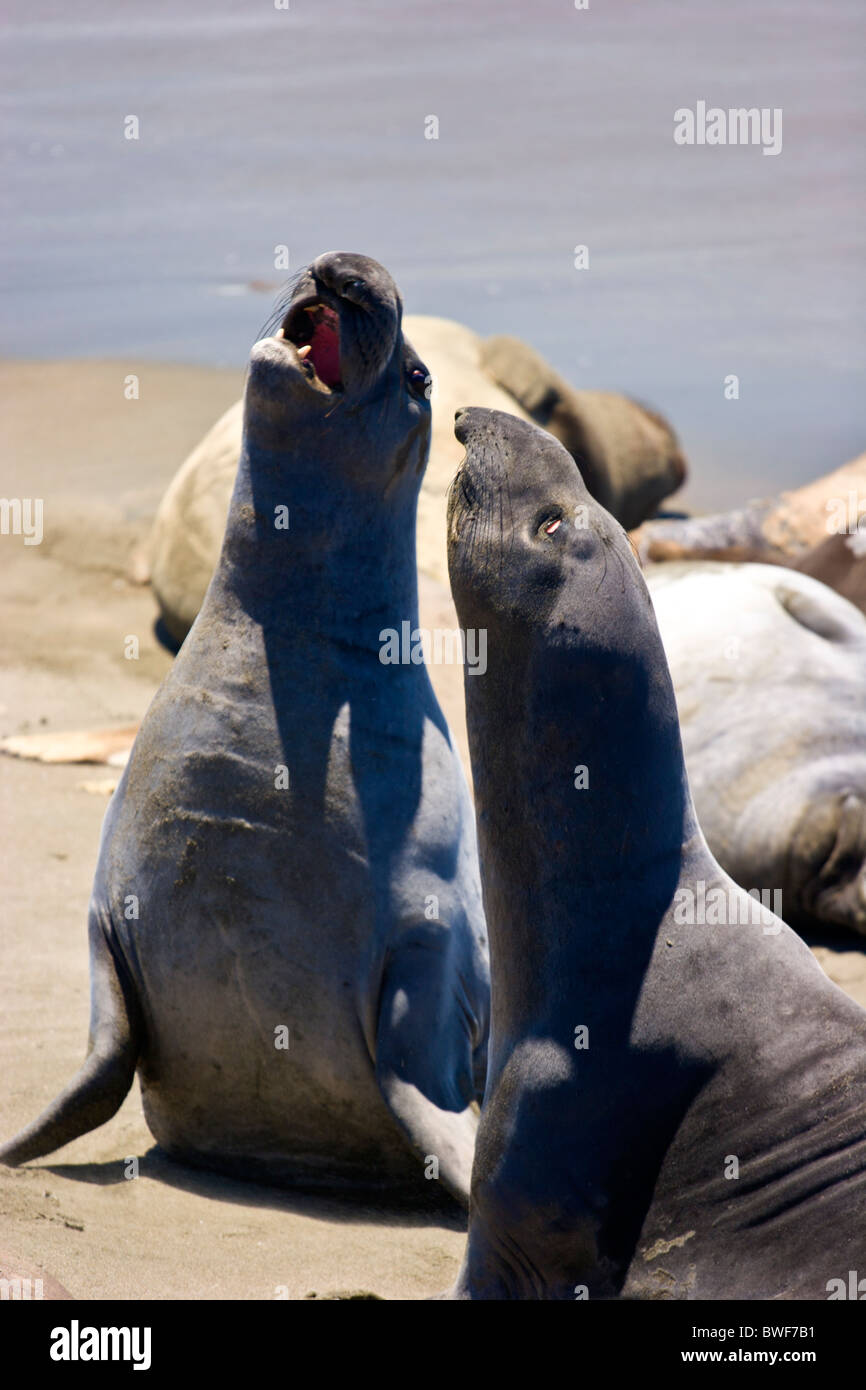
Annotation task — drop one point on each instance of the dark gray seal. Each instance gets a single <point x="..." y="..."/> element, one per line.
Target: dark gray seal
<point x="286" y="929"/>
<point x="673" y="1109"/>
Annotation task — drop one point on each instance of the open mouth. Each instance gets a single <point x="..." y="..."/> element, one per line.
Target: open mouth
<point x="314" y="330"/>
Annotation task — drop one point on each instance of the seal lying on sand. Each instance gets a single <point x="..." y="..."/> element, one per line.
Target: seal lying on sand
<point x="673" y="1109"/>
<point x="633" y="454"/>
<point x="769" y="669"/>
<point x="771" y="530"/>
<point x="286" y="929"/>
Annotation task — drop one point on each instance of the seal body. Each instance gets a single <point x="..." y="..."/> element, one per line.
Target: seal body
<point x="769" y="669"/>
<point x="771" y="530"/>
<point x="676" y="1097"/>
<point x="630" y="457"/>
<point x="286" y="929"/>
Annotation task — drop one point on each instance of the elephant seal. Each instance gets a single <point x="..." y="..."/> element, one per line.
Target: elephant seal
<point x="840" y="563"/>
<point x="674" y="1109"/>
<point x="770" y="530"/>
<point x="769" y="669"/>
<point x="628" y="456"/>
<point x="187" y="532"/>
<point x="633" y="453"/>
<point x="286" y="932"/>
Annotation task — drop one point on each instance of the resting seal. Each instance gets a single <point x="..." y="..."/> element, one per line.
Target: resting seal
<point x="633" y="455"/>
<point x="286" y="929"/>
<point x="769" y="669"/>
<point x="773" y="530"/>
<point x="636" y="1064"/>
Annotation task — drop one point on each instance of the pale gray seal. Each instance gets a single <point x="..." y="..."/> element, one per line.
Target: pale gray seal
<point x="676" y="1093"/>
<point x="769" y="669"/>
<point x="286" y="929"/>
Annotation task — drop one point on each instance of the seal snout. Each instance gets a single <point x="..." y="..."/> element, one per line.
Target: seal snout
<point x="469" y="418"/>
<point x="343" y="321"/>
<point x="465" y="422"/>
<point x="347" y="276"/>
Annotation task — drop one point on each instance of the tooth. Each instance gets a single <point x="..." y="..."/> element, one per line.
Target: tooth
<point x="302" y="352"/>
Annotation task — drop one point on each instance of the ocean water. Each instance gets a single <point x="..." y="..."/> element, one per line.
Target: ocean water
<point x="305" y="127"/>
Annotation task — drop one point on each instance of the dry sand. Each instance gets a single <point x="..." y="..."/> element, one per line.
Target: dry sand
<point x="101" y="463"/>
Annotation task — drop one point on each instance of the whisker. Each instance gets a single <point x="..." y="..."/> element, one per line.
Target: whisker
<point x="281" y="305"/>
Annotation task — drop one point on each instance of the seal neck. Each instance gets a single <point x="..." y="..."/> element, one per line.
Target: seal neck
<point x="307" y="545"/>
<point x="583" y="809"/>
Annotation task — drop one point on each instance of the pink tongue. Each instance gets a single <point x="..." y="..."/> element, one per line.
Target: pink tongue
<point x="325" y="352"/>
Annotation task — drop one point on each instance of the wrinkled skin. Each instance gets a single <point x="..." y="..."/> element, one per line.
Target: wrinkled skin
<point x="345" y="905"/>
<point x="769" y="669"/>
<point x="601" y="1160"/>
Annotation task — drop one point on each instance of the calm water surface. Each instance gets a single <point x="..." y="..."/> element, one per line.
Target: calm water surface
<point x="261" y="127"/>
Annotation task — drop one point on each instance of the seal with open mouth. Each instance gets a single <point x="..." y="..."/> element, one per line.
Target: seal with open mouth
<point x="676" y="1100"/>
<point x="629" y="456"/>
<point x="286" y="931"/>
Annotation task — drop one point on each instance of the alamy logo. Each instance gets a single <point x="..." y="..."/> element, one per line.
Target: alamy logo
<point x="76" y="1343"/>
<point x="738" y="126"/>
<point x="854" y="1288"/>
<point x="846" y="515"/>
<point x="449" y="646"/>
<point x="720" y="907"/>
<point x="20" y="1290"/>
<point x="22" y="516"/>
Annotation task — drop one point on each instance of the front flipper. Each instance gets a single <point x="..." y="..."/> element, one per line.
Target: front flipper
<point x="431" y="1029"/>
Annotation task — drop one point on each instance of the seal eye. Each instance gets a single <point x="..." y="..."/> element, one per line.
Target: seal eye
<point x="553" y="525"/>
<point x="419" y="380"/>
